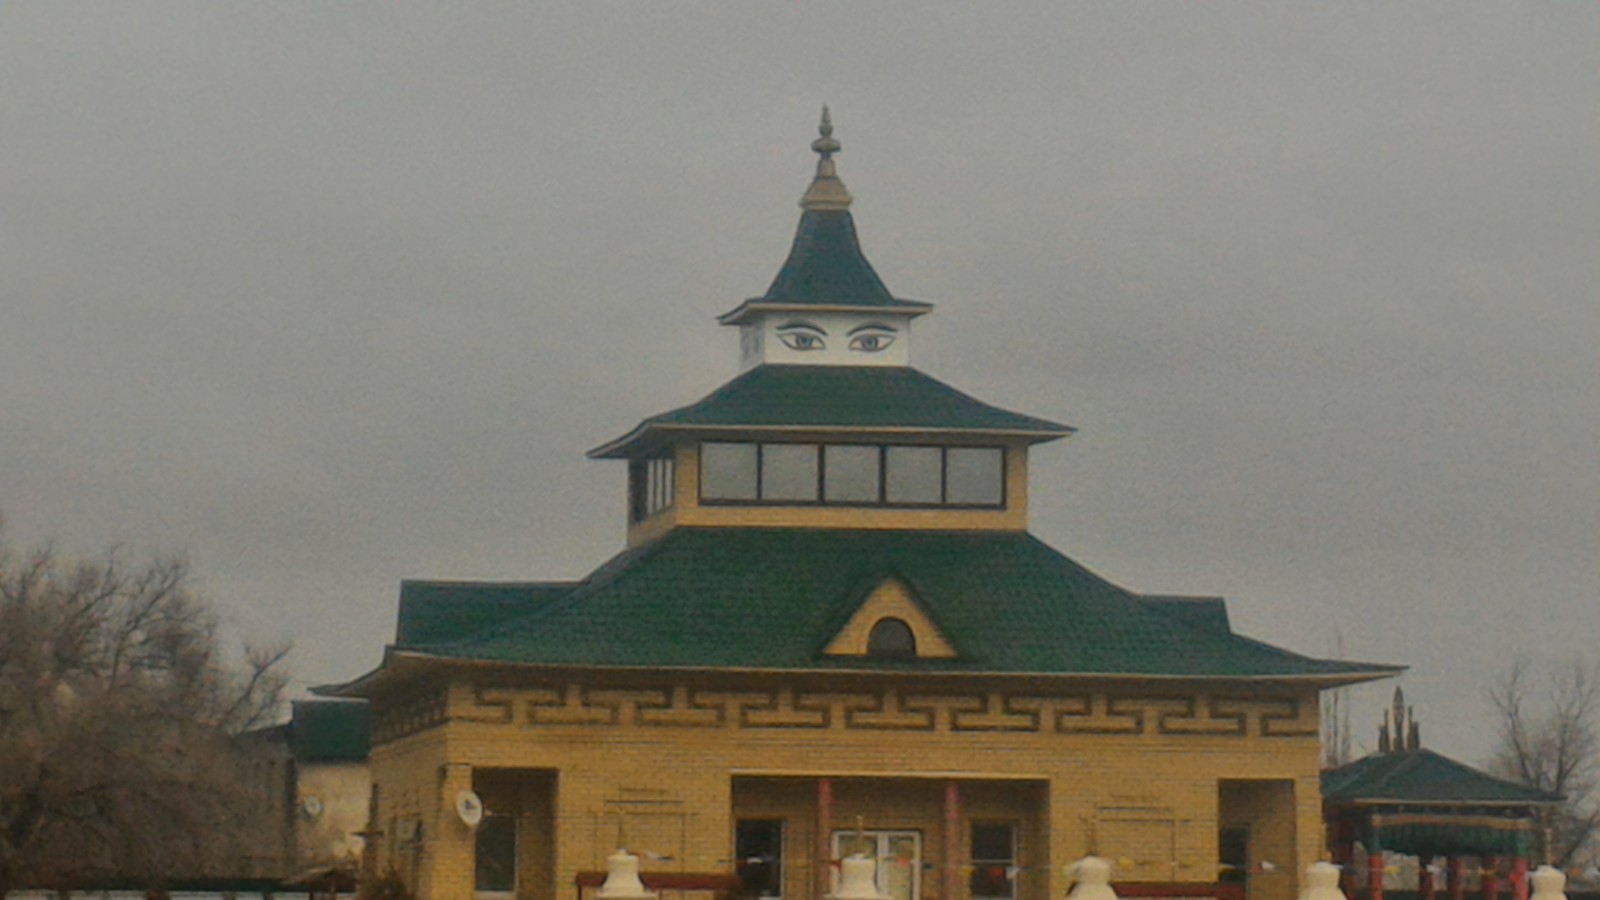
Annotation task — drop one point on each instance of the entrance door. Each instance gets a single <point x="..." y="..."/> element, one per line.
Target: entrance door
<point x="1233" y="856"/>
<point x="899" y="857"/>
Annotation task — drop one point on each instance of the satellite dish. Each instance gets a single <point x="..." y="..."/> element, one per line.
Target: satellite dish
<point x="311" y="806"/>
<point x="470" y="808"/>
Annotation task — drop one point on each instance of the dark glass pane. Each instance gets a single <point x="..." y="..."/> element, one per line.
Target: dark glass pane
<point x="496" y="846"/>
<point x="758" y="846"/>
<point x="728" y="471"/>
<point x="913" y="475"/>
<point x="638" y="490"/>
<point x="789" y="472"/>
<point x="975" y="475"/>
<point x="850" y="474"/>
<point x="891" y="637"/>
<point x="660" y="484"/>
<point x="993" y="860"/>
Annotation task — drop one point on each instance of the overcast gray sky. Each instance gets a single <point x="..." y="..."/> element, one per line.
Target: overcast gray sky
<point x="331" y="295"/>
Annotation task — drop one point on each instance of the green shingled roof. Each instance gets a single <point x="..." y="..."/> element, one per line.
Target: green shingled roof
<point x="772" y="598"/>
<point x="1422" y="776"/>
<point x="890" y="398"/>
<point x="826" y="266"/>
<point x="433" y="612"/>
<point x="330" y="730"/>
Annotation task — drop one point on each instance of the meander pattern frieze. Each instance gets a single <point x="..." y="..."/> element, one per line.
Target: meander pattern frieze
<point x="889" y="709"/>
<point x="417" y="711"/>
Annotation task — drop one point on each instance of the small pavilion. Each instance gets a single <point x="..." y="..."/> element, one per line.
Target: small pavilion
<point x="1404" y="799"/>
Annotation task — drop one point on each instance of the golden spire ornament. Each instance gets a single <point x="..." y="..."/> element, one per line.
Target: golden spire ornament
<point x="826" y="192"/>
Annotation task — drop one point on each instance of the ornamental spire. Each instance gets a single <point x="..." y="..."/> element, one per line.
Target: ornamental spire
<point x="827" y="192"/>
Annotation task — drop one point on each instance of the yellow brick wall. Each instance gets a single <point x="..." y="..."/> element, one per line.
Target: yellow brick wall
<point x="666" y="777"/>
<point x="341" y="790"/>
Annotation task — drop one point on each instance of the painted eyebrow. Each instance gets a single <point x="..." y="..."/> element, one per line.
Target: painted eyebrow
<point x="870" y="326"/>
<point x="790" y="326"/>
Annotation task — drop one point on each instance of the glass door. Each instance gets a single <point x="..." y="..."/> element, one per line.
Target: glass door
<point x="898" y="854"/>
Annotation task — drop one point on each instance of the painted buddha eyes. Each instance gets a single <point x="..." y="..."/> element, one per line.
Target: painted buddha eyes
<point x="801" y="340"/>
<point x="872" y="342"/>
<point x="806" y="336"/>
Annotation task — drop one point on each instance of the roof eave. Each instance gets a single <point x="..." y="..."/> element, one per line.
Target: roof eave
<point x="1323" y="680"/>
<point x="1402" y="801"/>
<point x="907" y="308"/>
<point x="617" y="449"/>
<point x="361" y="686"/>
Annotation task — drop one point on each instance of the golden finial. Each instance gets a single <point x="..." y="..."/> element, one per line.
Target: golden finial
<point x="827" y="192"/>
<point x="825" y="145"/>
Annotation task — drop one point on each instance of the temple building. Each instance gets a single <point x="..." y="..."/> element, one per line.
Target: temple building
<point x="830" y="631"/>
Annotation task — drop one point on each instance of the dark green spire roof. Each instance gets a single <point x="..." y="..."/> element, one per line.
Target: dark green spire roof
<point x="826" y="266"/>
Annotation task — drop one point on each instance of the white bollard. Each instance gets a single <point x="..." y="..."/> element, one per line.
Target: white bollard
<point x="1549" y="883"/>
<point x="858" y="879"/>
<point x="1322" y="882"/>
<point x="1091" y="879"/>
<point x="622" y="878"/>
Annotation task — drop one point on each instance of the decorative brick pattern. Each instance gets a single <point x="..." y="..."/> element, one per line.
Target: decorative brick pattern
<point x="683" y="706"/>
<point x="415" y="712"/>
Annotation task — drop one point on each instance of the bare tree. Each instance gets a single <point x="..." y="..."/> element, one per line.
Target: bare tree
<point x="1550" y="739"/>
<point x="1338" y="740"/>
<point x="118" y="717"/>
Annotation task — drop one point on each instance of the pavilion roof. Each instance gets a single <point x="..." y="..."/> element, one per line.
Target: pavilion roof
<point x="880" y="399"/>
<point x="1423" y="777"/>
<point x="772" y="598"/>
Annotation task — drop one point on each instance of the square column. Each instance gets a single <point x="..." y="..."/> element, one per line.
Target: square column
<point x="824" y="848"/>
<point x="448" y="850"/>
<point x="952" y="840"/>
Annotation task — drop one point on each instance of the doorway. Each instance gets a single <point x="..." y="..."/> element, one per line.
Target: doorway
<point x="898" y="854"/>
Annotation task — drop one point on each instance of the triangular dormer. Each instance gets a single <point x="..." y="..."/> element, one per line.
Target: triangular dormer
<point x="890" y="624"/>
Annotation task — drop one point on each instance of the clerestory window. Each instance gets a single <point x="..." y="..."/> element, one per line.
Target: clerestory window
<point x="649" y="486"/>
<point x="851" y="474"/>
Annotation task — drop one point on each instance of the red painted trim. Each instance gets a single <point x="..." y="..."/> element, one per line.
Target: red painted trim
<point x="952" y="840"/>
<point x="1519" y="878"/>
<point x="1375" y="876"/>
<point x="824" y="848"/>
<point x="1178" y="889"/>
<point x="1490" y="879"/>
<point x="721" y="885"/>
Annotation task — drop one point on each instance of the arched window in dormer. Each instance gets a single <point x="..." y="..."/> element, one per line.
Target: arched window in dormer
<point x="891" y="639"/>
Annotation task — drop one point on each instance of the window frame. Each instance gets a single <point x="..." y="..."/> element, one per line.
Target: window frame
<point x="651" y="486"/>
<point x="883" y="477"/>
